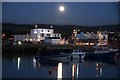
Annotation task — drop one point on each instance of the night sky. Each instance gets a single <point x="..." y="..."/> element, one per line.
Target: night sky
<point x="119" y="13"/>
<point x="76" y="13"/>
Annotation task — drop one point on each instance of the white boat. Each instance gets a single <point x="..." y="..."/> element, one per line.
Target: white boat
<point x="76" y="54"/>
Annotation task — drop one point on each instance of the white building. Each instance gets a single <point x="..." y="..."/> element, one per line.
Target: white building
<point x="101" y="36"/>
<point x="39" y="34"/>
<point x="87" y="35"/>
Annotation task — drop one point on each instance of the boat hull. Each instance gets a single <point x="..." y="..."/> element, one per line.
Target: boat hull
<point x="104" y="56"/>
<point x="40" y="57"/>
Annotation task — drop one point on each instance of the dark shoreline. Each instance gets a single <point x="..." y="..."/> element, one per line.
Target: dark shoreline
<point x="33" y="48"/>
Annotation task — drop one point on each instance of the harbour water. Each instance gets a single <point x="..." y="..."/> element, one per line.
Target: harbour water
<point x="25" y="66"/>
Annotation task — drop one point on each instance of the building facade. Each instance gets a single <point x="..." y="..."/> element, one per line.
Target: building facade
<point x="100" y="38"/>
<point x="40" y="34"/>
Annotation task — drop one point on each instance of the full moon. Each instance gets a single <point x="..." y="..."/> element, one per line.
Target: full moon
<point x="61" y="8"/>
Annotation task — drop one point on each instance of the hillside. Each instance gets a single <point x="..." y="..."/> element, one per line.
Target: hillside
<point x="65" y="30"/>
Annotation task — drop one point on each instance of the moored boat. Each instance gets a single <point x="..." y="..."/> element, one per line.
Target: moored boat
<point x="76" y="54"/>
<point x="50" y="55"/>
<point x="102" y="52"/>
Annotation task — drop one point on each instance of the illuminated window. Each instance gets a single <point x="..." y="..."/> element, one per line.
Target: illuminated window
<point x="38" y="36"/>
<point x="35" y="32"/>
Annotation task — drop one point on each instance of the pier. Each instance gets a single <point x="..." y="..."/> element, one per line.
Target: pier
<point x="35" y="47"/>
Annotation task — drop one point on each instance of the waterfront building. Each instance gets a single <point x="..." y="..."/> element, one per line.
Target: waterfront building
<point x="102" y="38"/>
<point x="41" y="34"/>
<point x="91" y="38"/>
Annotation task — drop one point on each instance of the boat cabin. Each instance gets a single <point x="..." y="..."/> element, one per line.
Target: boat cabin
<point x="101" y="50"/>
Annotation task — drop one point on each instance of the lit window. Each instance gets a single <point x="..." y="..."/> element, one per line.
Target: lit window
<point x="35" y="32"/>
<point x="38" y="36"/>
<point x="38" y="39"/>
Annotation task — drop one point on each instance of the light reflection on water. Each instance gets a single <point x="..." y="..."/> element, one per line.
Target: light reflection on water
<point x="59" y="71"/>
<point x="26" y="66"/>
<point x="18" y="62"/>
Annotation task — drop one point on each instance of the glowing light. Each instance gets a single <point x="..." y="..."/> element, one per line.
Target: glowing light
<point x="97" y="64"/>
<point x="35" y="32"/>
<point x="38" y="39"/>
<point x="101" y="71"/>
<point x="59" y="76"/>
<point x="61" y="8"/>
<point x="38" y="36"/>
<point x="3" y="35"/>
<point x="97" y="72"/>
<point x="91" y="43"/>
<point x="34" y="62"/>
<point x="30" y="39"/>
<point x="87" y="43"/>
<point x="18" y="62"/>
<point x="19" y="42"/>
<point x="73" y="70"/>
<point x="77" y="69"/>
